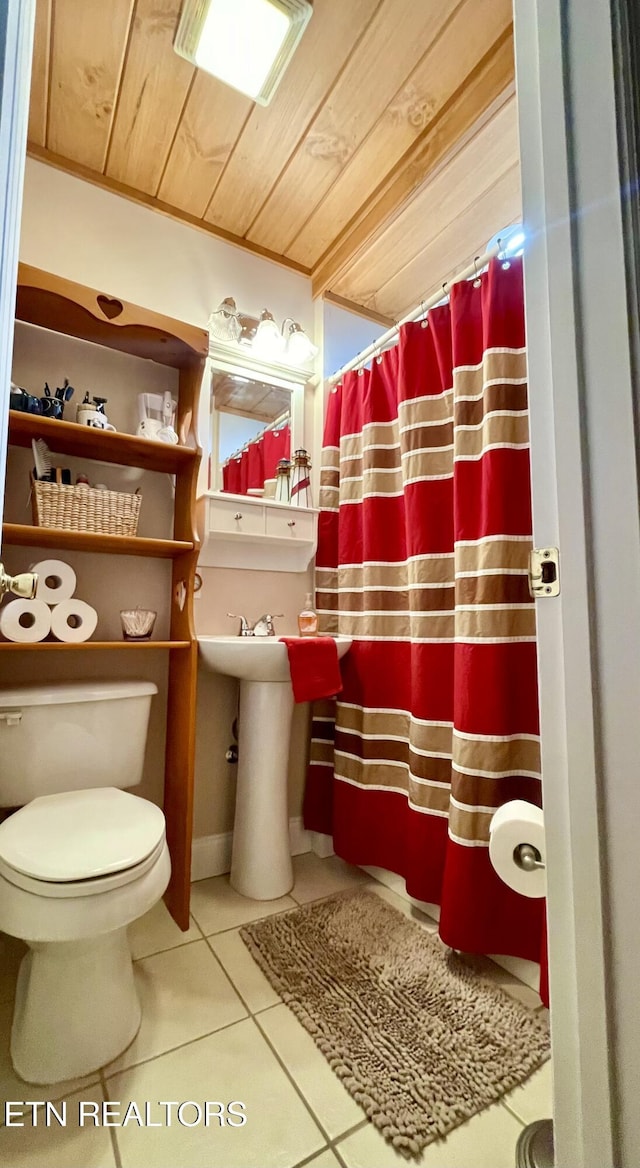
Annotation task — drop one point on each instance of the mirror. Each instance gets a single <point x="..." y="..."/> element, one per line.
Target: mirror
<point x="253" y="416"/>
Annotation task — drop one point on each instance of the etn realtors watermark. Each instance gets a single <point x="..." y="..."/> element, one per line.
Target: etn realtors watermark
<point x="114" y="1113"/>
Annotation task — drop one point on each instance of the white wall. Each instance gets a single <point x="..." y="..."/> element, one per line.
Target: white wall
<point x="345" y="335"/>
<point x="87" y="234"/>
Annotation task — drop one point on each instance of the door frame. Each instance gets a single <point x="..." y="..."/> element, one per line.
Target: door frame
<point x="585" y="501"/>
<point x="17" y="19"/>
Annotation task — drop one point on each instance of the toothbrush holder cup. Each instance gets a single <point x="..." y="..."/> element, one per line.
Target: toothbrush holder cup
<point x="137" y="624"/>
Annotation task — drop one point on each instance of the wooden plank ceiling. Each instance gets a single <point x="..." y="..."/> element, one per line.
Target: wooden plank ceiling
<point x="386" y="160"/>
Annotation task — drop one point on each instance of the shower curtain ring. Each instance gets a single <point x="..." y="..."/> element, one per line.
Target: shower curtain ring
<point x="445" y="287"/>
<point x="502" y="256"/>
<point x="477" y="282"/>
<point x="424" y="323"/>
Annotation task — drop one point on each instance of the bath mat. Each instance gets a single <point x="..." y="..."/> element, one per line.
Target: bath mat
<point x="418" y="1038"/>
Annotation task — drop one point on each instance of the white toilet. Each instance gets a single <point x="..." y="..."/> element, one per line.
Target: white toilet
<point x="78" y="863"/>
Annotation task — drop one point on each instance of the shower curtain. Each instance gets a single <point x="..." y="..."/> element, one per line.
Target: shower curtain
<point x="424" y="537"/>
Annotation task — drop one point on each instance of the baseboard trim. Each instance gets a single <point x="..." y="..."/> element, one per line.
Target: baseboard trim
<point x="211" y="854"/>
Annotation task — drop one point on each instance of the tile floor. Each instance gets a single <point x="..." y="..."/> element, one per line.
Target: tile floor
<point x="214" y="1030"/>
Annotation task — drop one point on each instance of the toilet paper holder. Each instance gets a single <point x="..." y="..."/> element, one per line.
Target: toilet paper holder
<point x="528" y="858"/>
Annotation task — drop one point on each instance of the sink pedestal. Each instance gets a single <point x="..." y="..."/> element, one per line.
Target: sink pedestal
<point x="261" y="861"/>
<point x="261" y="864"/>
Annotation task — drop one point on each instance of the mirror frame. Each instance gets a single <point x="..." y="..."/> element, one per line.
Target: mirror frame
<point x="227" y="358"/>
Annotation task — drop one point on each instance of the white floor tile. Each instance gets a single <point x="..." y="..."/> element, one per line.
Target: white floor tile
<point x="244" y="972"/>
<point x="59" y="1147"/>
<point x="330" y="1102"/>
<point x="486" y="1141"/>
<point x="234" y="1065"/>
<point x="216" y="906"/>
<point x="14" y="1088"/>
<point x="534" y="1098"/>
<point x="156" y="931"/>
<point x="11" y="953"/>
<point x="184" y="994"/>
<point x="315" y="878"/>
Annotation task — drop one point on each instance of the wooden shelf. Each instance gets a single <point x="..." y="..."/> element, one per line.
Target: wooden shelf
<point x="84" y="441"/>
<point x="54" y="646"/>
<point x="27" y="535"/>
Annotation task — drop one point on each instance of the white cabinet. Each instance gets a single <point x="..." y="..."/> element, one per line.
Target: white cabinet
<point x="236" y="532"/>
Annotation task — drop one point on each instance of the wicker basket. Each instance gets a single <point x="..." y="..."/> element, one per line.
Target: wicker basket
<point x="84" y="508"/>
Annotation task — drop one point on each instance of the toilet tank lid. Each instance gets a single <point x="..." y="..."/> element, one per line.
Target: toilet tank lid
<point x="74" y="691"/>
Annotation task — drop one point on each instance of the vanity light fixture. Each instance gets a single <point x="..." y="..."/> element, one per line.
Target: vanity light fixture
<point x="261" y="335"/>
<point x="224" y="323"/>
<point x="268" y="341"/>
<point x="245" y="43"/>
<point x="299" y="347"/>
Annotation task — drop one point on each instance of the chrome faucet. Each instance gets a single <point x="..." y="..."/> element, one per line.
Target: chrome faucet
<point x="245" y="630"/>
<point x="263" y="627"/>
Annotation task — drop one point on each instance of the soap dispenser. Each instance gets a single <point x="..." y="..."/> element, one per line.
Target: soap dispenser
<point x="308" y="618"/>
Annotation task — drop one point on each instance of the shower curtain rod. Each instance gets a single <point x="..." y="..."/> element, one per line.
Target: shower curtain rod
<point x="473" y="269"/>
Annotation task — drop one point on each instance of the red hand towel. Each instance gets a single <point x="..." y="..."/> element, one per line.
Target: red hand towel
<point x="314" y="666"/>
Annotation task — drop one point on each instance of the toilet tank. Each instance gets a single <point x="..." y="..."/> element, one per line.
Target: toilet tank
<point x="72" y="736"/>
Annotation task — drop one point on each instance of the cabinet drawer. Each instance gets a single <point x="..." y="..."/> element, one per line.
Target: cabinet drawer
<point x="290" y="524"/>
<point x="236" y="516"/>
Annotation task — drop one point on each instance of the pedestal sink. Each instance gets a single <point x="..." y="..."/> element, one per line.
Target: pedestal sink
<point x="261" y="858"/>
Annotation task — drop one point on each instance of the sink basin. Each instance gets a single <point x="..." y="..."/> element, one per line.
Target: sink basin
<point x="253" y="658"/>
<point x="261" y="854"/>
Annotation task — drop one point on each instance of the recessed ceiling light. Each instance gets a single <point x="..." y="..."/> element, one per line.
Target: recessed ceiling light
<point x="245" y="43"/>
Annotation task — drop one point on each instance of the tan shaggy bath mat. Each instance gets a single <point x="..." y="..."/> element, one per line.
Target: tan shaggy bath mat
<point x="420" y="1040"/>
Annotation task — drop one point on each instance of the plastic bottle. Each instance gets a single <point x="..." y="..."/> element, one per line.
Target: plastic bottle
<point x="308" y="618"/>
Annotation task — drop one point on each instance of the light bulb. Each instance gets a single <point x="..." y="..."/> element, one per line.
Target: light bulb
<point x="268" y="341"/>
<point x="299" y="347"/>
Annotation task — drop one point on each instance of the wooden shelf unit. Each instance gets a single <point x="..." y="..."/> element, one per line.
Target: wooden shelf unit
<point x="61" y="306"/>
<point x="28" y="535"/>
<point x="10" y="647"/>
<point x="124" y="449"/>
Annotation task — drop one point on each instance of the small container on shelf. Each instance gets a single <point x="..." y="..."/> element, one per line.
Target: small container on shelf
<point x="137" y="623"/>
<point x="83" y="508"/>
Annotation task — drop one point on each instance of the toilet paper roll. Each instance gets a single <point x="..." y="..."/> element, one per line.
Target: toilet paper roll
<point x="56" y="580"/>
<point x="25" y="621"/>
<point x="73" y="620"/>
<point x="517" y="823"/>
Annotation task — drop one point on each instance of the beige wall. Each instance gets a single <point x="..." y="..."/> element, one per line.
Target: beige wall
<point x="96" y="238"/>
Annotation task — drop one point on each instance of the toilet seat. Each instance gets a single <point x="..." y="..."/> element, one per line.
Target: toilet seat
<point x="80" y="842"/>
<point x="88" y="887"/>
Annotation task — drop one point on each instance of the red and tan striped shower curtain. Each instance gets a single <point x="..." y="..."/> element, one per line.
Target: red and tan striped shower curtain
<point x="425" y="531"/>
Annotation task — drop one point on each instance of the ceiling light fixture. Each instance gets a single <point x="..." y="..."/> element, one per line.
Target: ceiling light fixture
<point x="245" y="43"/>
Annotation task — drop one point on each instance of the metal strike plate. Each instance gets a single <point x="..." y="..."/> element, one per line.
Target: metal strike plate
<point x="544" y="572"/>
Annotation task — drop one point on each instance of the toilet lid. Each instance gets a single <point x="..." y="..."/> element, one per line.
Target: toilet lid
<point x="79" y="835"/>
